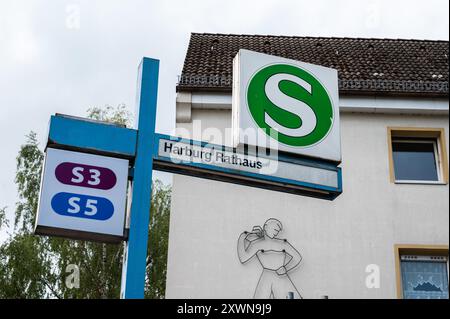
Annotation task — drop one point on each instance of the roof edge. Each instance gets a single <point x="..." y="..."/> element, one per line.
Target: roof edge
<point x="317" y="37"/>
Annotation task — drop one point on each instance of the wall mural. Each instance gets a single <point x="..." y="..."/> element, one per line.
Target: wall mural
<point x="277" y="257"/>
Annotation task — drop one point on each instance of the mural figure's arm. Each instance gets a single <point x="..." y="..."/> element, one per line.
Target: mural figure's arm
<point x="248" y="244"/>
<point x="293" y="258"/>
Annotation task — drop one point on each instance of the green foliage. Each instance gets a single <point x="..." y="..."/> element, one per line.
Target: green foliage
<point x="158" y="241"/>
<point x="118" y="115"/>
<point x="36" y="266"/>
<point x="28" y="177"/>
<point x="25" y="265"/>
<point x="3" y="219"/>
<point x="25" y="268"/>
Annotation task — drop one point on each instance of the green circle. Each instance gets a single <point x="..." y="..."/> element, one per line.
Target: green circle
<point x="318" y="100"/>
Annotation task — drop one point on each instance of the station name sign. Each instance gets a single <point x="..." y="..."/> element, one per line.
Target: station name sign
<point x="183" y="151"/>
<point x="219" y="162"/>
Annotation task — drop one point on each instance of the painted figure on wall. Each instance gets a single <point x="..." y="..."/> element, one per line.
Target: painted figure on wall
<point x="276" y="256"/>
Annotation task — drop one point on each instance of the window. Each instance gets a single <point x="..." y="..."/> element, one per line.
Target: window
<point x="424" y="277"/>
<point x="415" y="160"/>
<point x="417" y="156"/>
<point x="422" y="271"/>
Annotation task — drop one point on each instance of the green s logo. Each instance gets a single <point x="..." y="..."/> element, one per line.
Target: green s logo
<point x="290" y="101"/>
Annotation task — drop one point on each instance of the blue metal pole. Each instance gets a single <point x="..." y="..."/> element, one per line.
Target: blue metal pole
<point x="135" y="254"/>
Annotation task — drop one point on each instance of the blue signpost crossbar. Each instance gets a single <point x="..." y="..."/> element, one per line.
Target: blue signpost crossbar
<point x="135" y="256"/>
<point x="68" y="132"/>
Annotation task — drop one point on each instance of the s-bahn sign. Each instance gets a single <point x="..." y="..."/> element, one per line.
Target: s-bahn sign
<point x="292" y="103"/>
<point x="82" y="196"/>
<point x="89" y="163"/>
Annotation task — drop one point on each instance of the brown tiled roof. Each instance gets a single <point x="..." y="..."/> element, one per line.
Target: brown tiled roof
<point x="371" y="66"/>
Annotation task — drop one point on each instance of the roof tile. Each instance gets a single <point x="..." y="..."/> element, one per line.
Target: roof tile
<point x="382" y="66"/>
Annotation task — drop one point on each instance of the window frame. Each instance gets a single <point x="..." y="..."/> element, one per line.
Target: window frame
<point x="419" y="250"/>
<point x="414" y="135"/>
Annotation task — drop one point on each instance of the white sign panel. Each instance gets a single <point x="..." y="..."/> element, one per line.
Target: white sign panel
<point x="82" y="196"/>
<point x="286" y="103"/>
<point x="208" y="157"/>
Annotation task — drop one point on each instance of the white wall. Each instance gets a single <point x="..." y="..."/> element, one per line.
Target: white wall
<point x="337" y="239"/>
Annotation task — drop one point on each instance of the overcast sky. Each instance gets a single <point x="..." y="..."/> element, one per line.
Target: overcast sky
<point x="66" y="56"/>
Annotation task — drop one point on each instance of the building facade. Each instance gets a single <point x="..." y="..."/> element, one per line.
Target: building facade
<point x="385" y="236"/>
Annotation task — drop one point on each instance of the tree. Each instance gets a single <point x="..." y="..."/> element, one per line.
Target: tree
<point x="155" y="284"/>
<point x="38" y="267"/>
<point x="118" y="115"/>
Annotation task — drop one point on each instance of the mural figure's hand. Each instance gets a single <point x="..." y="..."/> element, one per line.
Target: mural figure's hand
<point x="281" y="271"/>
<point x="258" y="231"/>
